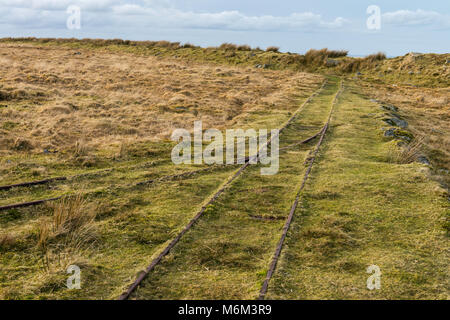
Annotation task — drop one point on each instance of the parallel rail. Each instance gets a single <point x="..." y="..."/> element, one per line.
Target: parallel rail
<point x="125" y="295"/>
<point x="279" y="247"/>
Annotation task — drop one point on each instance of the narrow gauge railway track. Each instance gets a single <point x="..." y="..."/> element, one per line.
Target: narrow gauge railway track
<point x="141" y="183"/>
<point x="125" y="295"/>
<point x="279" y="247"/>
<point x="79" y="175"/>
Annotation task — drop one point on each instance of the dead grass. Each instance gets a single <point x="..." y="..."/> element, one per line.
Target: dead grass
<point x="70" y="231"/>
<point x="317" y="57"/>
<point x="104" y="98"/>
<point x="273" y="49"/>
<point x="408" y="153"/>
<point x="72" y="219"/>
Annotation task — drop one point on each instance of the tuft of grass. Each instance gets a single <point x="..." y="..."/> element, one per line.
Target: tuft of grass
<point x="375" y="57"/>
<point x="273" y="49"/>
<point x="244" y="47"/>
<point x="407" y="153"/>
<point x="72" y="219"/>
<point x="228" y="46"/>
<point x="6" y="241"/>
<point x="80" y="149"/>
<point x="314" y="56"/>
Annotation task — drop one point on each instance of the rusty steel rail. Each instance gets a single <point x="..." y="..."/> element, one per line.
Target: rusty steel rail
<point x="276" y="256"/>
<point x="28" y="204"/>
<point x="175" y="176"/>
<point x="65" y="178"/>
<point x="304" y="141"/>
<point x="125" y="295"/>
<point x="32" y="183"/>
<point x="160" y="179"/>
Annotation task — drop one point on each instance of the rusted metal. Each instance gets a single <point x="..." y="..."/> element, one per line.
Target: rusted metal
<point x="174" y="176"/>
<point x="164" y="178"/>
<point x="304" y="141"/>
<point x="32" y="183"/>
<point x="27" y="204"/>
<point x="166" y="250"/>
<point x="279" y="247"/>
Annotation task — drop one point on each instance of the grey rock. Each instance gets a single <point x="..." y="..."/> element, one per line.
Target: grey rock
<point x="332" y="62"/>
<point x="359" y="73"/>
<point x="400" y="123"/>
<point x="424" y="160"/>
<point x="398" y="134"/>
<point x="389" y="133"/>
<point x="389" y="107"/>
<point x="396" y="122"/>
<point x="77" y="53"/>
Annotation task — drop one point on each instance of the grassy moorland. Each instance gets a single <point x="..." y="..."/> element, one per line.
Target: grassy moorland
<point x="101" y="112"/>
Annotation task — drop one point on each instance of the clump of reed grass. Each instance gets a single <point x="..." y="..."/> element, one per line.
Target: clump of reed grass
<point x="67" y="233"/>
<point x="407" y="153"/>
<point x="273" y="49"/>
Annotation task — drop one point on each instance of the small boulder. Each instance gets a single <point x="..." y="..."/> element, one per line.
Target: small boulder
<point x="332" y="62"/>
<point x="400" y="123"/>
<point x="398" y="134"/>
<point x="389" y="107"/>
<point x="390" y="133"/>
<point x="423" y="160"/>
<point x="395" y="120"/>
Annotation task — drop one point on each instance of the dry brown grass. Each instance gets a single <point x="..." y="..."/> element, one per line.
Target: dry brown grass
<point x="273" y="49"/>
<point x="70" y="231"/>
<point x="376" y="57"/>
<point x="56" y="97"/>
<point x="72" y="219"/>
<point x="314" y="56"/>
<point x="408" y="153"/>
<point x="6" y="241"/>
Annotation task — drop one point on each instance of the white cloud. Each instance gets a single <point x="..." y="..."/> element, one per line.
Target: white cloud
<point x="155" y="13"/>
<point x="416" y="18"/>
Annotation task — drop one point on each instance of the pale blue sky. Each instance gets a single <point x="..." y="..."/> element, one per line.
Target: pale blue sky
<point x="296" y="26"/>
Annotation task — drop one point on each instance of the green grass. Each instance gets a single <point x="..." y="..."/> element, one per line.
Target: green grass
<point x="357" y="210"/>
